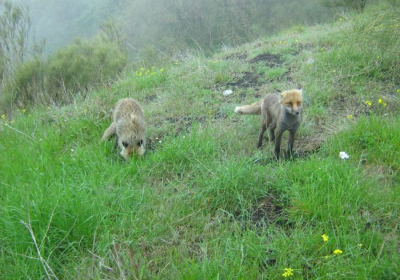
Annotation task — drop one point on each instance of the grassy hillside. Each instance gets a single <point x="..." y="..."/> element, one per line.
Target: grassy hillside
<point x="204" y="203"/>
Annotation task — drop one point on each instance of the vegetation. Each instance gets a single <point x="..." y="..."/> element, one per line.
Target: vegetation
<point x="170" y="27"/>
<point x="27" y="78"/>
<point x="204" y="203"/>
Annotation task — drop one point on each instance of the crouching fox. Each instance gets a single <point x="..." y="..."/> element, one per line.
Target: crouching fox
<point x="129" y="127"/>
<point x="281" y="112"/>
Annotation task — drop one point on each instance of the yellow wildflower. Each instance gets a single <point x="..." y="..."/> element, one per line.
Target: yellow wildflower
<point x="325" y="237"/>
<point x="161" y="70"/>
<point x="369" y="103"/>
<point x="384" y="104"/>
<point x="288" y="272"/>
<point x="380" y="101"/>
<point x="398" y="90"/>
<point x="350" y="116"/>
<point x="142" y="69"/>
<point x="3" y="117"/>
<point x="338" y="252"/>
<point x="23" y="110"/>
<point x="360" y="245"/>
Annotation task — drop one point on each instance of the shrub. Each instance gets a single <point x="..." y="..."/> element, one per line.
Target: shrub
<point x="72" y="70"/>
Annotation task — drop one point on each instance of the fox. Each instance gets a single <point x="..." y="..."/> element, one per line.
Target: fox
<point x="279" y="112"/>
<point x="129" y="127"/>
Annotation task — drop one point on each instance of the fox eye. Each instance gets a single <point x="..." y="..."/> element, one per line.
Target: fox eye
<point x="125" y="144"/>
<point x="140" y="143"/>
<point x="298" y="103"/>
<point x="289" y="104"/>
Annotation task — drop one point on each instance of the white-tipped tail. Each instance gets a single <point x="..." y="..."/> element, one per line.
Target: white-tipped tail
<point x="252" y="109"/>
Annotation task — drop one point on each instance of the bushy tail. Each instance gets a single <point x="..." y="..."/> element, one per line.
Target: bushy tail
<point x="252" y="109"/>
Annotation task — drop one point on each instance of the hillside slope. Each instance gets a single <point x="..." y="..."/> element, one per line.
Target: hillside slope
<point x="204" y="203"/>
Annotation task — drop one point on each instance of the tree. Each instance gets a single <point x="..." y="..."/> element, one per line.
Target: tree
<point x="14" y="33"/>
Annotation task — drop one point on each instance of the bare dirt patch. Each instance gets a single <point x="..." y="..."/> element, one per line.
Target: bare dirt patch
<point x="251" y="79"/>
<point x="246" y="80"/>
<point x="271" y="60"/>
<point x="267" y="211"/>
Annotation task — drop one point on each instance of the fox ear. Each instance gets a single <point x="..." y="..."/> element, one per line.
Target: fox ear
<point x="299" y="89"/>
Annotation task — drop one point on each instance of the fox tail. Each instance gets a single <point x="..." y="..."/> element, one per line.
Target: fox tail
<point x="252" y="109"/>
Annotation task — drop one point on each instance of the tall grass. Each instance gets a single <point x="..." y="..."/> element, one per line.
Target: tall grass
<point x="204" y="202"/>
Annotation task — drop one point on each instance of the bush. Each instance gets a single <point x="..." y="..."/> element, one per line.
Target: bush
<point x="72" y="70"/>
<point x="84" y="64"/>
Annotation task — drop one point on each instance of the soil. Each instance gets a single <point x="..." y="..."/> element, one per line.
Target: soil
<point x="271" y="60"/>
<point x="246" y="80"/>
<point x="252" y="79"/>
<point x="267" y="211"/>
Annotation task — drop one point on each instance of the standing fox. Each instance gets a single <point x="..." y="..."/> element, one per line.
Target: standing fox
<point x="129" y="126"/>
<point x="281" y="112"/>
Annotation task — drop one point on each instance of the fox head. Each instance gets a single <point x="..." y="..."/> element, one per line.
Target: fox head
<point x="131" y="136"/>
<point x="292" y="100"/>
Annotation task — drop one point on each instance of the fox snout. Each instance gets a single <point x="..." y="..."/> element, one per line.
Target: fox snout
<point x="128" y="152"/>
<point x="294" y="111"/>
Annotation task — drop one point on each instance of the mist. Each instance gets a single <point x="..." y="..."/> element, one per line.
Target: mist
<point x="159" y="28"/>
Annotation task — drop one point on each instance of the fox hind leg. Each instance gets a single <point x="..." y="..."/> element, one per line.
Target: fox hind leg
<point x="271" y="128"/>
<point x="260" y="136"/>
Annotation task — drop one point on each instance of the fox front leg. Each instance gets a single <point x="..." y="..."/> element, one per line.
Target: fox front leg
<point x="109" y="132"/>
<point x="290" y="143"/>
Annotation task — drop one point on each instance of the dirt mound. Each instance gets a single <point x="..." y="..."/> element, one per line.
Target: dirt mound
<point x="271" y="60"/>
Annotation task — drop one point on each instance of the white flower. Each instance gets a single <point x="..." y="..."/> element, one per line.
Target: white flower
<point x="344" y="155"/>
<point x="227" y="92"/>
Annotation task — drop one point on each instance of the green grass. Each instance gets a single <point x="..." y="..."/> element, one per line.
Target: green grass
<point x="204" y="203"/>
